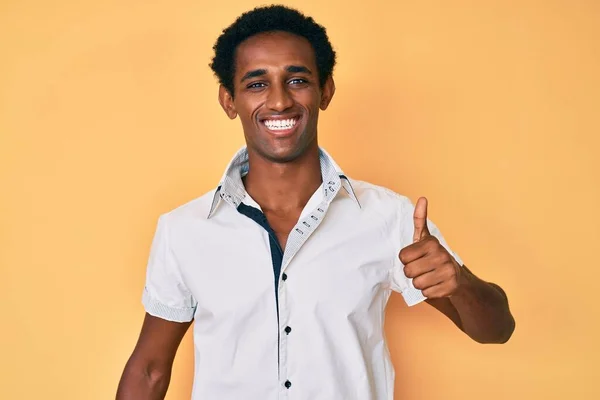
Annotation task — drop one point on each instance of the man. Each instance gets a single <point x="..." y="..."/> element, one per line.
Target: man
<point x="286" y="267"/>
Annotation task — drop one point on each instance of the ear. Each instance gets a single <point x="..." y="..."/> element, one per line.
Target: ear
<point x="327" y="93"/>
<point x="226" y="101"/>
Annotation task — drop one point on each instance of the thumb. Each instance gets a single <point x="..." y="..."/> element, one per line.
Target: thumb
<point x="420" y="220"/>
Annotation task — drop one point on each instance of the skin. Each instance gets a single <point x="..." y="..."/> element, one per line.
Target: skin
<point x="276" y="77"/>
<point x="148" y="371"/>
<point x="478" y="308"/>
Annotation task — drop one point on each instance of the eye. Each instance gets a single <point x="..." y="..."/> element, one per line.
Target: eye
<point x="298" y="81"/>
<point x="256" y="85"/>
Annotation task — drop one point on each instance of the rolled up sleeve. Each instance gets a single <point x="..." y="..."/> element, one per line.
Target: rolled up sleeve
<point x="165" y="293"/>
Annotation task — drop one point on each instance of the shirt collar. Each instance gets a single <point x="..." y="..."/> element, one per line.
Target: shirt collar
<point x="231" y="188"/>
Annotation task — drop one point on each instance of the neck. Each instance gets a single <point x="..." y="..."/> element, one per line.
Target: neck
<point x="283" y="187"/>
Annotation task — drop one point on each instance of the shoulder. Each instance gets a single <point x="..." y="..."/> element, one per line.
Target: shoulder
<point x="196" y="209"/>
<point x="379" y="197"/>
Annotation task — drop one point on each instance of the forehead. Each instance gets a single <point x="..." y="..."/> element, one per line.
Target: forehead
<point x="273" y="50"/>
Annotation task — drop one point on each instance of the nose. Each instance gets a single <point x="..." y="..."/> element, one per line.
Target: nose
<point x="278" y="98"/>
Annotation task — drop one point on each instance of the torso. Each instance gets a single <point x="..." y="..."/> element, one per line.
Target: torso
<point x="338" y="277"/>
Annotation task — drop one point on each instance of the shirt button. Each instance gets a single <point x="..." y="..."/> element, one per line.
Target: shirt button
<point x="288" y="384"/>
<point x="284" y="276"/>
<point x="288" y="330"/>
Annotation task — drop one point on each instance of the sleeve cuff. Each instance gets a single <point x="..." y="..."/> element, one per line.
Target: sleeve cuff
<point x="457" y="258"/>
<point x="412" y="296"/>
<point x="158" y="309"/>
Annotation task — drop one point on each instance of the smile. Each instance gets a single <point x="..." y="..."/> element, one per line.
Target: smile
<point x="280" y="124"/>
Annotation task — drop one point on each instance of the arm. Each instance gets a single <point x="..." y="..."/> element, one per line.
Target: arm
<point x="148" y="370"/>
<point x="478" y="308"/>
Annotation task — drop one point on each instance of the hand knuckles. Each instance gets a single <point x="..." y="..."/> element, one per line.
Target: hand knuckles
<point x="402" y="257"/>
<point x="449" y="269"/>
<point x="419" y="283"/>
<point x="443" y="257"/>
<point x="432" y="244"/>
<point x="438" y="259"/>
<point x="405" y="254"/>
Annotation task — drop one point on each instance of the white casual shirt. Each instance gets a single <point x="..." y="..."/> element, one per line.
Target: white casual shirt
<point x="305" y="323"/>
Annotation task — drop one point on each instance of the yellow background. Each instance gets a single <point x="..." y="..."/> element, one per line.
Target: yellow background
<point x="109" y="117"/>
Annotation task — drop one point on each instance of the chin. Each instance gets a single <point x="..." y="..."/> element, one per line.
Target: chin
<point x="284" y="149"/>
<point x="280" y="153"/>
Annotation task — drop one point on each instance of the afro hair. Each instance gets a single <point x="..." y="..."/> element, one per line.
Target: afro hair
<point x="270" y="19"/>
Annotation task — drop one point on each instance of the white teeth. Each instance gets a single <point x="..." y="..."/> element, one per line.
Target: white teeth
<point x="280" y="124"/>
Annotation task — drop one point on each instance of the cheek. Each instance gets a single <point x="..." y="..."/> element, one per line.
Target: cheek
<point x="246" y="117"/>
<point x="313" y="113"/>
<point x="246" y="106"/>
<point x="309" y="99"/>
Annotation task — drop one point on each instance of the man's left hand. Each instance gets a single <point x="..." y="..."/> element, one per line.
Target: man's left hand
<point x="434" y="271"/>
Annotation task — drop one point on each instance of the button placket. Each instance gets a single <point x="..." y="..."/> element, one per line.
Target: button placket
<point x="298" y="236"/>
<point x="302" y="231"/>
<point x="283" y="338"/>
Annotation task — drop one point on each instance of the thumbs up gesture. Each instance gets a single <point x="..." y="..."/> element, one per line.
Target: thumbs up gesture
<point x="433" y="270"/>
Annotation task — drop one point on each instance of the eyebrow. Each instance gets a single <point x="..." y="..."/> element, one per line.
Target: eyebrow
<point x="294" y="69"/>
<point x="254" y="74"/>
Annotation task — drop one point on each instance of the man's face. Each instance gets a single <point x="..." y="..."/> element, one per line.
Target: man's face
<point x="277" y="95"/>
